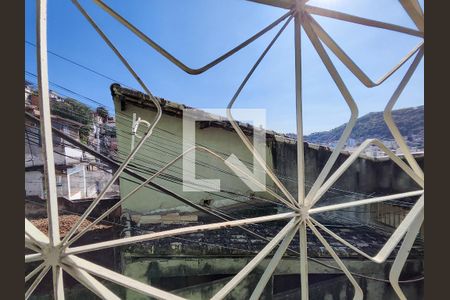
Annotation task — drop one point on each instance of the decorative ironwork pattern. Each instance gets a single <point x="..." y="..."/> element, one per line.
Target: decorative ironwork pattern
<point x="58" y="255"/>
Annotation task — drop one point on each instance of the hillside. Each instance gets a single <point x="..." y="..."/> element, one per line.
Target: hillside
<point x="410" y="122"/>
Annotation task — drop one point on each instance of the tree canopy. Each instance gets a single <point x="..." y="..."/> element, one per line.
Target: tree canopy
<point x="102" y="112"/>
<point x="74" y="110"/>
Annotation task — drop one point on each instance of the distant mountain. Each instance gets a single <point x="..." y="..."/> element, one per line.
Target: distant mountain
<point x="410" y="122"/>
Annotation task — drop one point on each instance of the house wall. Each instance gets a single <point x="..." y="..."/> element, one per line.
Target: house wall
<point x="34" y="184"/>
<point x="164" y="145"/>
<point x="364" y="176"/>
<point x="33" y="152"/>
<point x="67" y="160"/>
<point x="81" y="186"/>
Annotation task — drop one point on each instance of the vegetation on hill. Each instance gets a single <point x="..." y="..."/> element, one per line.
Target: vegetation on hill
<point x="102" y="112"/>
<point x="410" y="122"/>
<point x="76" y="111"/>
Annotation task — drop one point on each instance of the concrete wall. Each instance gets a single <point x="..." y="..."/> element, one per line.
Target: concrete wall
<point x="34" y="184"/>
<point x="325" y="283"/>
<point x="364" y="175"/>
<point x="82" y="185"/>
<point x="33" y="153"/>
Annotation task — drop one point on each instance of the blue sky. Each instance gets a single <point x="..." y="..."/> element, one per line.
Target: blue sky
<point x="197" y="31"/>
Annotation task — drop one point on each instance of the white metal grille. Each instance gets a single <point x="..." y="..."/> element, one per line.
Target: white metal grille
<point x="58" y="255"/>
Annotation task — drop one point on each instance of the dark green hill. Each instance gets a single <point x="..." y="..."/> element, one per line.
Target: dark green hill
<point x="410" y="122"/>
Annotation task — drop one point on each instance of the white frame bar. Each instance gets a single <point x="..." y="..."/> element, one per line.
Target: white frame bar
<point x="84" y="271"/>
<point x="119" y="279"/>
<point x="178" y="231"/>
<point x="255" y="261"/>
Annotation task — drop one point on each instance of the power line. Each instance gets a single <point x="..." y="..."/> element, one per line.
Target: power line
<point x="80" y="65"/>
<point x="70" y="91"/>
<point x="326" y="143"/>
<point x="359" y="275"/>
<point x="94" y="101"/>
<point x="174" y="179"/>
<point x="167" y="150"/>
<point x="177" y="179"/>
<point x="245" y="250"/>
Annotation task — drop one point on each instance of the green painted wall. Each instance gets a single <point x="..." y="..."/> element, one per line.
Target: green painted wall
<point x="164" y="145"/>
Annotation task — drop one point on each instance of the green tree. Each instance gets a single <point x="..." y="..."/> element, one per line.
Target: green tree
<point x="74" y="110"/>
<point x="84" y="133"/>
<point x="102" y="112"/>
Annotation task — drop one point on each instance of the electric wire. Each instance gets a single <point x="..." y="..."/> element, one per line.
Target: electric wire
<point x="246" y="250"/>
<point x="94" y="101"/>
<point x="355" y="274"/>
<point x="80" y="65"/>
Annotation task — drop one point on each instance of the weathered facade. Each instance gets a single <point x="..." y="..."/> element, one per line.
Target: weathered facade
<point x="367" y="176"/>
<point x="77" y="174"/>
